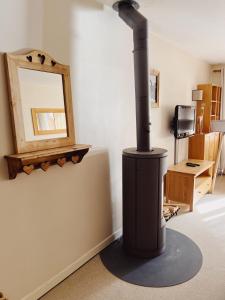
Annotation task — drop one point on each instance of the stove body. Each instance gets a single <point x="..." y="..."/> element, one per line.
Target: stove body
<point x="143" y="222"/>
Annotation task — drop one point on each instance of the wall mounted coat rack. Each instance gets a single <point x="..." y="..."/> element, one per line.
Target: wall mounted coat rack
<point x="28" y="162"/>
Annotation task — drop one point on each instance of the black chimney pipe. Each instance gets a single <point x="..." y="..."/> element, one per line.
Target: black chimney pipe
<point x="128" y="12"/>
<point x="143" y="167"/>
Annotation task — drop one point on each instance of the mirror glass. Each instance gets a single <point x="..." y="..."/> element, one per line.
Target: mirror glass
<point x="43" y="107"/>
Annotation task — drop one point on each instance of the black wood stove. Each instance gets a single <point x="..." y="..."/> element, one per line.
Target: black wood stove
<point x="143" y="167"/>
<point x="154" y="256"/>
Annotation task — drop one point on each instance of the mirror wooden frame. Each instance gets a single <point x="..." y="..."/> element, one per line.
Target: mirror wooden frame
<point x="39" y="61"/>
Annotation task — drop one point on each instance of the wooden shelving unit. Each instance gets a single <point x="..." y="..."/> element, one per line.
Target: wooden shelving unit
<point x="185" y="184"/>
<point x="204" y="146"/>
<point x="211" y="104"/>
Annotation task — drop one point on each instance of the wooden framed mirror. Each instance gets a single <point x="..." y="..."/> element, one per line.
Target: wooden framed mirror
<point x="38" y="83"/>
<point x="42" y="113"/>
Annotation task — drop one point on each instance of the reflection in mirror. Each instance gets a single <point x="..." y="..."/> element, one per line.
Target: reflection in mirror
<point x="48" y="121"/>
<point x="43" y="107"/>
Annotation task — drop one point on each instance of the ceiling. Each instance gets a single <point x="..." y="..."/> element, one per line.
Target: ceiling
<point x="196" y="26"/>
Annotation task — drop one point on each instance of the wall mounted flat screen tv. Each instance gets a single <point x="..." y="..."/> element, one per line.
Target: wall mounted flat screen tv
<point x="184" y="121"/>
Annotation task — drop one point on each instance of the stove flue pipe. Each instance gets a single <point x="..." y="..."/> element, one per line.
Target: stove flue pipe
<point x="128" y="12"/>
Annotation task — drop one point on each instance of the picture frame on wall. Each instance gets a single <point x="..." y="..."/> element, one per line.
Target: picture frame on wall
<point x="154" y="88"/>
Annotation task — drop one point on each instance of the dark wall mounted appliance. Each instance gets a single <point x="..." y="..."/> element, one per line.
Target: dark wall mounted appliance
<point x="143" y="167"/>
<point x="184" y="121"/>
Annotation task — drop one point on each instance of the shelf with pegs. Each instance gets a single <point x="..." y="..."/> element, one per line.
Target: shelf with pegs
<point x="28" y="162"/>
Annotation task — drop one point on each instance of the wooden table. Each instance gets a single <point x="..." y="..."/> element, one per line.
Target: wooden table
<point x="186" y="184"/>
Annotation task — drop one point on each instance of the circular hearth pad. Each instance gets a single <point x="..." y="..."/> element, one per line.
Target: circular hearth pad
<point x="181" y="261"/>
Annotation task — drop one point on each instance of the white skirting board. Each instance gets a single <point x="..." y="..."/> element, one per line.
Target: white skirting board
<point x="51" y="283"/>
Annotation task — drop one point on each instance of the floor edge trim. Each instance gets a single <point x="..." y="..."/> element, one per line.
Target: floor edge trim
<point x="52" y="282"/>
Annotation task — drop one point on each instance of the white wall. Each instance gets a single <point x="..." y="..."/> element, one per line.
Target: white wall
<point x="21" y="24"/>
<point x="179" y="75"/>
<point x="98" y="46"/>
<point x="51" y="223"/>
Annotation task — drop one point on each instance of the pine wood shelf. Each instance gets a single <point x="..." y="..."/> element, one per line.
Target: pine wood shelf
<point x="43" y="159"/>
<point x="211" y="103"/>
<point x="200" y="181"/>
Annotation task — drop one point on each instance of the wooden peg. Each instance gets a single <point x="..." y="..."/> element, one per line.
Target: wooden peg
<point x="61" y="161"/>
<point x="45" y="166"/>
<point x="75" y="159"/>
<point x="2" y="297"/>
<point x="28" y="169"/>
